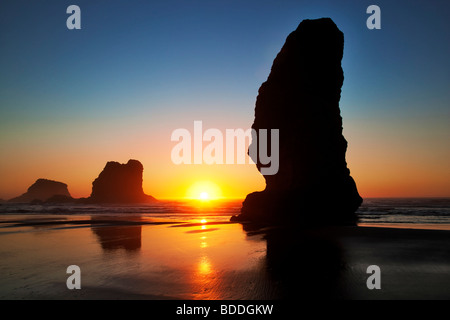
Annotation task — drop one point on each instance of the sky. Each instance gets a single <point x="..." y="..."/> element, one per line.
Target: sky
<point x="71" y="100"/>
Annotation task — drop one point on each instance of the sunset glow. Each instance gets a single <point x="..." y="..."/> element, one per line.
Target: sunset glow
<point x="204" y="191"/>
<point x="232" y="158"/>
<point x="64" y="122"/>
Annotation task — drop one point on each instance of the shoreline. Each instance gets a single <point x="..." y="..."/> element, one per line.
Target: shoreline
<point x="416" y="226"/>
<point x="130" y="258"/>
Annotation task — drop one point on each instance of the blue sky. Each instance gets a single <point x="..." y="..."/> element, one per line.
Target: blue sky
<point x="167" y="49"/>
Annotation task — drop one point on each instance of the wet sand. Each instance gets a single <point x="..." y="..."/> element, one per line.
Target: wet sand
<point x="414" y="263"/>
<point x="138" y="258"/>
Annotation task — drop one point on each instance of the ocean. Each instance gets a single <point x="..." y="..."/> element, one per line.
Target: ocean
<point x="416" y="211"/>
<point x="428" y="211"/>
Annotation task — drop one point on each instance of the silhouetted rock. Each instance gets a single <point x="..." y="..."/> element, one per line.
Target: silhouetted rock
<point x="120" y="183"/>
<point x="42" y="190"/>
<point x="59" y="198"/>
<point x="301" y="99"/>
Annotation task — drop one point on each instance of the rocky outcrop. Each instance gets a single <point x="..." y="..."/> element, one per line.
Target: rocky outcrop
<point x="59" y="199"/>
<point x="301" y="99"/>
<point x="120" y="183"/>
<point x="42" y="190"/>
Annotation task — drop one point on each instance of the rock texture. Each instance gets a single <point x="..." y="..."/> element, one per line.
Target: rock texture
<point x="301" y="99"/>
<point x="59" y="199"/>
<point x="120" y="183"/>
<point x="42" y="190"/>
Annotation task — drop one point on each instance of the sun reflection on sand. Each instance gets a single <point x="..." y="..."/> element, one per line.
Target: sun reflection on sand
<point x="204" y="276"/>
<point x="204" y="266"/>
<point x="203" y="243"/>
<point x="195" y="260"/>
<point x="206" y="282"/>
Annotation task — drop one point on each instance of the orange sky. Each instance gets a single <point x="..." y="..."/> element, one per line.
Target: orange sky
<point x="71" y="100"/>
<point x="396" y="161"/>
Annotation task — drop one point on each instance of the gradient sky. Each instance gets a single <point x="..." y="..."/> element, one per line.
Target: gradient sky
<point x="71" y="100"/>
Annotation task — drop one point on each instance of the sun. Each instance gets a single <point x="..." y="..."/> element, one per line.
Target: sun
<point x="204" y="191"/>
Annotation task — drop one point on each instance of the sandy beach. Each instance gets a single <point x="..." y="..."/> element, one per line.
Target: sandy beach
<point x="132" y="257"/>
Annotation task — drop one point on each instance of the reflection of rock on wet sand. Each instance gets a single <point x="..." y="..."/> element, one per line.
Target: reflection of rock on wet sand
<point x="307" y="265"/>
<point x="118" y="237"/>
<point x="331" y="262"/>
<point x="302" y="264"/>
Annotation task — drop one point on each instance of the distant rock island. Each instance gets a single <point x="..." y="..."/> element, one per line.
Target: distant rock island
<point x="120" y="183"/>
<point x="301" y="99"/>
<point x="116" y="184"/>
<point x="44" y="190"/>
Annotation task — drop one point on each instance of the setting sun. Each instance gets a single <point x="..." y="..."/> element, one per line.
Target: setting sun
<point x="204" y="190"/>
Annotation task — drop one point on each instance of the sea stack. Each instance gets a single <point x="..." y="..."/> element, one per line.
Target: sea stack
<point x="42" y="190"/>
<point x="120" y="183"/>
<point x="301" y="98"/>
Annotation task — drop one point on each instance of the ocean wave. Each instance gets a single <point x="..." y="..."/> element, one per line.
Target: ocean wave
<point x="374" y="210"/>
